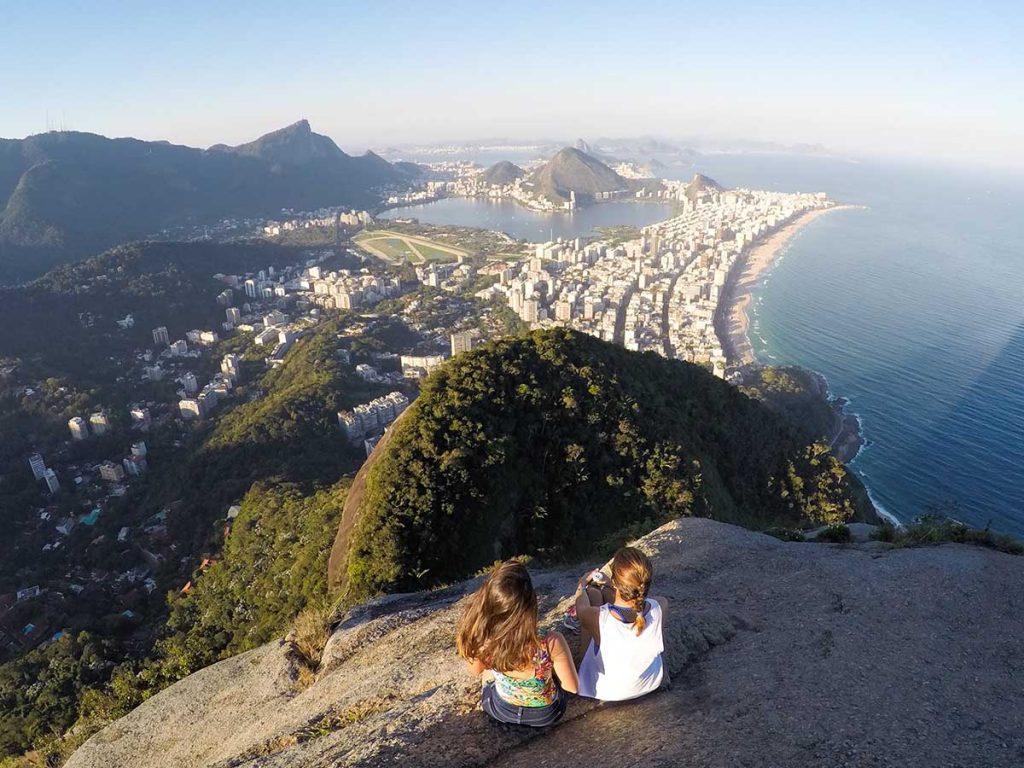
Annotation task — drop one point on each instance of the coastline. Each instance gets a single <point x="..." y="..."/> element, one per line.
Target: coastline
<point x="734" y="322"/>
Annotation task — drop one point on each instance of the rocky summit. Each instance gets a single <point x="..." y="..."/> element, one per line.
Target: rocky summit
<point x="781" y="654"/>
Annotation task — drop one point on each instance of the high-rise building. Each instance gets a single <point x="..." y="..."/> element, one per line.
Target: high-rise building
<point x="274" y="317"/>
<point x="100" y="423"/>
<point x="418" y="366"/>
<point x="38" y="466"/>
<point x="231" y="365"/>
<point x="52" y="483"/>
<point x="135" y="465"/>
<point x="251" y="289"/>
<point x="207" y="401"/>
<point x="233" y="315"/>
<point x="189" y="408"/>
<point x="531" y="310"/>
<point x="189" y="382"/>
<point x="464" y="341"/>
<point x="351" y="424"/>
<point x="179" y="348"/>
<point x="79" y="428"/>
<point x="160" y="336"/>
<point x="139" y="449"/>
<point x="140" y="418"/>
<point x="111" y="472"/>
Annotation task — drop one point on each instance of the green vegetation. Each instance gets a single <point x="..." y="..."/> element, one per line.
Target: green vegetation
<point x="65" y="321"/>
<point x="396" y="248"/>
<point x="550" y="443"/>
<point x="34" y="693"/>
<point x="837" y="533"/>
<point x="797" y="394"/>
<point x="283" y="456"/>
<point x="782" y="533"/>
<point x="481" y="243"/>
<point x="272" y="568"/>
<point x="935" y="528"/>
<point x="618" y="234"/>
<point x="66" y="195"/>
<point x="69" y="357"/>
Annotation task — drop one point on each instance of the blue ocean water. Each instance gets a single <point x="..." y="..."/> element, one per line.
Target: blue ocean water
<point x="913" y="309"/>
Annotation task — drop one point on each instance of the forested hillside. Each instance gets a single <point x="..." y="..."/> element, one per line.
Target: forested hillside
<point x="280" y="454"/>
<point x="555" y="442"/>
<point x="66" y="195"/>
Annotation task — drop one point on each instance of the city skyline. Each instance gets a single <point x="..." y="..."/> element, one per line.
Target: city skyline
<point x="917" y="81"/>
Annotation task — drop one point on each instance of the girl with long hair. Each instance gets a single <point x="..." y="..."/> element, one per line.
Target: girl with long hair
<point x="498" y="632"/>
<point x="621" y="630"/>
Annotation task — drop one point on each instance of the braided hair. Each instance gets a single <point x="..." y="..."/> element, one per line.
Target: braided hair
<point x="631" y="575"/>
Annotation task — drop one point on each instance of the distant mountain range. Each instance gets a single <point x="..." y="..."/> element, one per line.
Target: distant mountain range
<point x="66" y="195"/>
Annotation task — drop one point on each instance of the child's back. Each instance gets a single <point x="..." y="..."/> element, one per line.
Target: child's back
<point x="624" y="665"/>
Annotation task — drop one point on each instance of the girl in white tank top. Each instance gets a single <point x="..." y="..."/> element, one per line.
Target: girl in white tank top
<point x="622" y="632"/>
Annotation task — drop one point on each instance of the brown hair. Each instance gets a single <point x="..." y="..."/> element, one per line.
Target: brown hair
<point x="631" y="576"/>
<point x="499" y="626"/>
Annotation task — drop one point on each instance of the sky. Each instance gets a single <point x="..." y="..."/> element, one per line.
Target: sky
<point x="937" y="79"/>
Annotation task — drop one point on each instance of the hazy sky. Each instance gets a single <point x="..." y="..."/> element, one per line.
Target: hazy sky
<point x="942" y="79"/>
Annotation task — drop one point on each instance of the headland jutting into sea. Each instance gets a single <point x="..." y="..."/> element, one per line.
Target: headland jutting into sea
<point x="682" y="289"/>
<point x="732" y="322"/>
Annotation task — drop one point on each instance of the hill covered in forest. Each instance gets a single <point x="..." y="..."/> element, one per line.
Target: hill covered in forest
<point x="65" y="195"/>
<point x="556" y="443"/>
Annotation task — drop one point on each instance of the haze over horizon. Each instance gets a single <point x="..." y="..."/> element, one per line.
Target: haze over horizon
<point x="917" y="82"/>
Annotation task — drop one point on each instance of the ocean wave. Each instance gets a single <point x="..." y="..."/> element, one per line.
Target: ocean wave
<point x="882" y="511"/>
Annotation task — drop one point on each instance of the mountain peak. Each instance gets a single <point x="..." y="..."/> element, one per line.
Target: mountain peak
<point x="701" y="184"/>
<point x="295" y="144"/>
<point x="502" y="173"/>
<point x="572" y="170"/>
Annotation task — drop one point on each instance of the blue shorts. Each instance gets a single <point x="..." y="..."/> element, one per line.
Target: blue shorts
<point x="536" y="717"/>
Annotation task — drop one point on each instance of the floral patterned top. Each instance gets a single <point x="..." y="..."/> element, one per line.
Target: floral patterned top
<point x="537" y="691"/>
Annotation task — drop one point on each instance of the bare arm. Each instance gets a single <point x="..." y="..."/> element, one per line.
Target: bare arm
<point x="663" y="602"/>
<point x="666" y="680"/>
<point x="561" y="659"/>
<point x="588" y="609"/>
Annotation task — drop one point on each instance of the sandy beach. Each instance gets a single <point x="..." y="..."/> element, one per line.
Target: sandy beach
<point x="734" y="322"/>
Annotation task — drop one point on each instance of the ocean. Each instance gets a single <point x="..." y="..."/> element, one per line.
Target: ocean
<point x="913" y="309"/>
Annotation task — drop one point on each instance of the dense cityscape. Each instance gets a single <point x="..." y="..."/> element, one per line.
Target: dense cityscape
<point x="656" y="292"/>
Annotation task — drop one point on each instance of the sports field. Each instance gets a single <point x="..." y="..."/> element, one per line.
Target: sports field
<point x="396" y="248"/>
